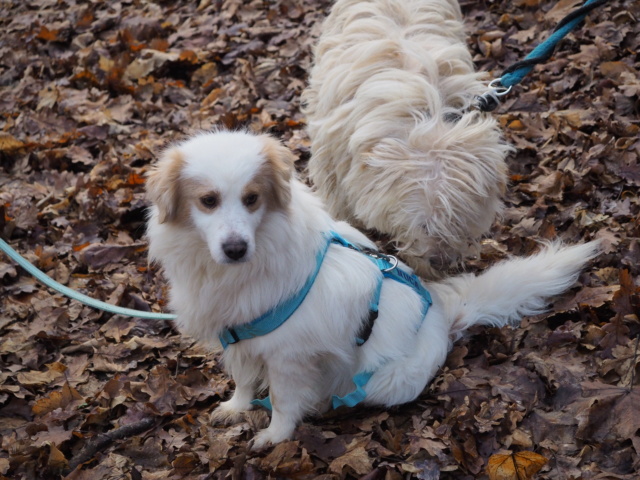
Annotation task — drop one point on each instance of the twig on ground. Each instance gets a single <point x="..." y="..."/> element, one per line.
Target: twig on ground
<point x="103" y="440"/>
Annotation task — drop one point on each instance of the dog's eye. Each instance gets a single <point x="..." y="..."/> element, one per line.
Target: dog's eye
<point x="251" y="199"/>
<point x="209" y="201"/>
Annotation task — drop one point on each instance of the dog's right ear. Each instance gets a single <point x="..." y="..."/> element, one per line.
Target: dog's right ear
<point x="163" y="184"/>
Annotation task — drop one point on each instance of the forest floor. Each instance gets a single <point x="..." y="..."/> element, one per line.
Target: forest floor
<point x="90" y="92"/>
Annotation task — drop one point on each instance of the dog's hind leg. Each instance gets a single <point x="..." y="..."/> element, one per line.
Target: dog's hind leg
<point x="402" y="379"/>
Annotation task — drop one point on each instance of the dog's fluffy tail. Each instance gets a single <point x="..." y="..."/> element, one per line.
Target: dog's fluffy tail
<point x="513" y="288"/>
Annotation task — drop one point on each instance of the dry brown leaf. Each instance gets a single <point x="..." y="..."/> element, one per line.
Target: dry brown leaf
<point x="515" y="466"/>
<point x="57" y="399"/>
<point x="356" y="459"/>
<point x="9" y="143"/>
<point x="55" y="371"/>
<point x="56" y="460"/>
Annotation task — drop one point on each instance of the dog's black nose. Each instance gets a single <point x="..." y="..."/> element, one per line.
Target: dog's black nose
<point x="235" y="249"/>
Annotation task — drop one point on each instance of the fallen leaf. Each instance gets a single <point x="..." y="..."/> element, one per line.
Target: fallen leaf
<point x="355" y="459"/>
<point x="57" y="399"/>
<point x="515" y="466"/>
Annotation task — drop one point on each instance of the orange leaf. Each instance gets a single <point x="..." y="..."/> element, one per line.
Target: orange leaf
<point x="188" y="56"/>
<point x="136" y="47"/>
<point x="159" y="44"/>
<point x="3" y="211"/>
<point x="82" y="246"/>
<point x="85" y="20"/>
<point x="86" y="75"/>
<point x="516" y="125"/>
<point x="516" y="466"/>
<point x="135" y="179"/>
<point x="48" y="35"/>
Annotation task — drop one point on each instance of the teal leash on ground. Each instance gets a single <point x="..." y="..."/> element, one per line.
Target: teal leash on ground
<point x="514" y="74"/>
<point x="91" y="302"/>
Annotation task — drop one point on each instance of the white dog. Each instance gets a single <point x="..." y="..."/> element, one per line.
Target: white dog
<point x="241" y="239"/>
<point x="394" y="145"/>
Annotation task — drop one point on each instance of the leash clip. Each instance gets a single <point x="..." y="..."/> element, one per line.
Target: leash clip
<point x="490" y="100"/>
<point x="498" y="89"/>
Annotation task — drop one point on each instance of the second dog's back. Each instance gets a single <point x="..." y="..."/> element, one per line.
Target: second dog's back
<point x="394" y="147"/>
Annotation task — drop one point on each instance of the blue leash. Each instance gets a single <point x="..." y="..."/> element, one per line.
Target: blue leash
<point x="92" y="302"/>
<point x="514" y="74"/>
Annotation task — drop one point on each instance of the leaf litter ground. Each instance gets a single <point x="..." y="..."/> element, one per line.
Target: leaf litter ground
<point x="90" y="92"/>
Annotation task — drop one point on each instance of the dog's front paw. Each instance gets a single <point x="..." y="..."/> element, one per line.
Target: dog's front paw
<point x="225" y="414"/>
<point x="269" y="437"/>
<point x="261" y="441"/>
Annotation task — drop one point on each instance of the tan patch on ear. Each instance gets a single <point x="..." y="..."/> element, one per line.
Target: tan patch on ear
<point x="163" y="184"/>
<point x="277" y="170"/>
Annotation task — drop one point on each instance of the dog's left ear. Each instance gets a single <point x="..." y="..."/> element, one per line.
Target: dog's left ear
<point x="163" y="184"/>
<point x="279" y="167"/>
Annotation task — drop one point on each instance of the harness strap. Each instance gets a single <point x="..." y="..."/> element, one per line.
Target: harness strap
<point x="275" y="317"/>
<point x="390" y="271"/>
<point x="356" y="396"/>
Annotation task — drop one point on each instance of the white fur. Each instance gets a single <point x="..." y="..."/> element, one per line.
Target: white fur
<point x="313" y="354"/>
<point x="384" y="156"/>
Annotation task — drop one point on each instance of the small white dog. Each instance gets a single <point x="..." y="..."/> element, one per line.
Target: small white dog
<point x="394" y="145"/>
<point x="240" y="239"/>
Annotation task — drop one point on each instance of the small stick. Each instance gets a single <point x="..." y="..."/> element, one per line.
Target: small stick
<point x="103" y="440"/>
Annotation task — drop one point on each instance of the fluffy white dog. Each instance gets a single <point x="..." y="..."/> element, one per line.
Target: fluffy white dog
<point x="394" y="145"/>
<point x="240" y="239"/>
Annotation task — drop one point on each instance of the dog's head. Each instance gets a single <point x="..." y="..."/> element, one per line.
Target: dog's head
<point x="223" y="184"/>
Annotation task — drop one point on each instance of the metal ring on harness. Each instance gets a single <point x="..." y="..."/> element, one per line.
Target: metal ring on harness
<point x="393" y="261"/>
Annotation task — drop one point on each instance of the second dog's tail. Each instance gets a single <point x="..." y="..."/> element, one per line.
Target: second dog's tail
<point x="512" y="288"/>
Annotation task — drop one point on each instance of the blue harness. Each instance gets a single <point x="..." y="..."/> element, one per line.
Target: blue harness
<point x="275" y="317"/>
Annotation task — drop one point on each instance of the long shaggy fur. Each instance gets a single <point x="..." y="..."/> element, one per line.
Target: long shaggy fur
<point x="313" y="355"/>
<point x="389" y="149"/>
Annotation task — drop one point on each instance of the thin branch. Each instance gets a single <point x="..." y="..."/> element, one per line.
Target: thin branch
<point x="104" y="440"/>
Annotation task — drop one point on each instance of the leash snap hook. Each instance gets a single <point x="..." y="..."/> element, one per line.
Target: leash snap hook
<point x="490" y="100"/>
<point x="498" y="89"/>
